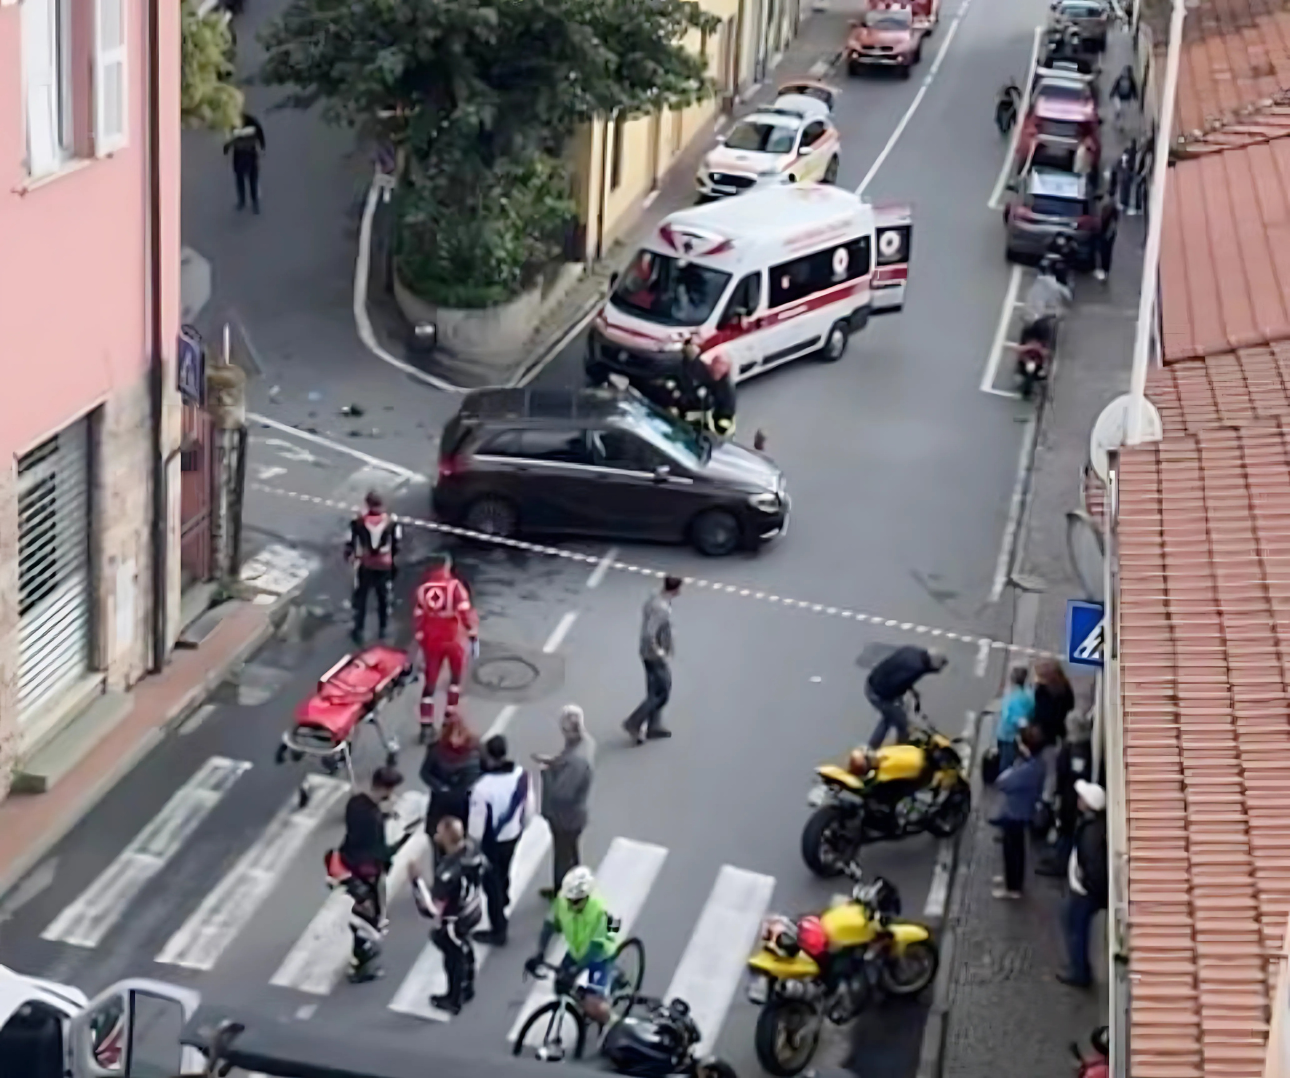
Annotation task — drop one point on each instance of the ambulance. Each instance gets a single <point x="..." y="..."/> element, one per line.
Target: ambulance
<point x="768" y="278"/>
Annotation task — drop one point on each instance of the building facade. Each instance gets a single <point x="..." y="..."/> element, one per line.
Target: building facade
<point x="90" y="423"/>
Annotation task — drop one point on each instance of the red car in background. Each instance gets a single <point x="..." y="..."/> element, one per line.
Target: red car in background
<point x="887" y="35"/>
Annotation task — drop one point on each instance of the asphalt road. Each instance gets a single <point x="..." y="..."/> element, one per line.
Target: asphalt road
<point x="902" y="474"/>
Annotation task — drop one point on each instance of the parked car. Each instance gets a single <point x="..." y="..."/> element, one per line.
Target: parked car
<point x="1062" y="118"/>
<point x="793" y="141"/>
<point x="1049" y="202"/>
<point x="601" y="462"/>
<point x="826" y="95"/>
<point x="887" y="35"/>
<point x="1091" y="18"/>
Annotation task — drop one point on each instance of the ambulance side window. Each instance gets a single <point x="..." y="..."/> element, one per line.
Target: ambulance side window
<point x="745" y="300"/>
<point x="793" y="281"/>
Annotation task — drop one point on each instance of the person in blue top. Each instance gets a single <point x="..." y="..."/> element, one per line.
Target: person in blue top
<point x="1015" y="712"/>
<point x="1022" y="785"/>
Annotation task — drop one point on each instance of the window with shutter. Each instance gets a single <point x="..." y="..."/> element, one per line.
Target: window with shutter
<point x="40" y="83"/>
<point x="110" y="97"/>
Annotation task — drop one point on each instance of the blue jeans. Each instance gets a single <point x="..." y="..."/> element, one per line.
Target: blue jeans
<point x="1007" y="754"/>
<point x="891" y="716"/>
<point x="1077" y="920"/>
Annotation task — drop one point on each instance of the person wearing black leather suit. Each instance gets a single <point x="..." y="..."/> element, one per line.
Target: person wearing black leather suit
<point x="703" y="391"/>
<point x="453" y="900"/>
<point x="366" y="854"/>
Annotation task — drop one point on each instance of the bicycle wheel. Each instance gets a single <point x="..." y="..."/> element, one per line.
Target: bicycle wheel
<point x="629" y="973"/>
<point x="547" y="1031"/>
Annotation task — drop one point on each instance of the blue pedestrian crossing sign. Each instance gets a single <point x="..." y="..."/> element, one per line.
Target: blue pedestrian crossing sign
<point x="1085" y="632"/>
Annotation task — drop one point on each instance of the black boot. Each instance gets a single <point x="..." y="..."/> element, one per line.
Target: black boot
<point x="448" y="1003"/>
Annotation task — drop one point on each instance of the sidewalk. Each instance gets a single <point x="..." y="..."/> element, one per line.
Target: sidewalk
<point x="1000" y="1012"/>
<point x="812" y="54"/>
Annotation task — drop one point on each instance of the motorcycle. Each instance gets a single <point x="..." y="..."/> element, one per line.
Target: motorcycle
<point x="1006" y="107"/>
<point x="885" y="794"/>
<point x="831" y="967"/>
<point x="1099" y="1064"/>
<point x="660" y="1043"/>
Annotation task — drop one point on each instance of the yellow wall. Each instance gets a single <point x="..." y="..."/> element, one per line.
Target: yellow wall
<point x="650" y="145"/>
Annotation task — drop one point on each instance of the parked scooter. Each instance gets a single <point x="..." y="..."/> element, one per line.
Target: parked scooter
<point x="1098" y="1065"/>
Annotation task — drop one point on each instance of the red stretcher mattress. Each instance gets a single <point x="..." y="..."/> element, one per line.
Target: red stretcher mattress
<point x="347" y="692"/>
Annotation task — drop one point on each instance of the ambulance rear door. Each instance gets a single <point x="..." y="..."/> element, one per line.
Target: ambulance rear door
<point x="132" y="1029"/>
<point x="893" y="240"/>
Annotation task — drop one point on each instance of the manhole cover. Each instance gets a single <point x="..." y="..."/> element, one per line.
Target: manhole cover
<point x="506" y="673"/>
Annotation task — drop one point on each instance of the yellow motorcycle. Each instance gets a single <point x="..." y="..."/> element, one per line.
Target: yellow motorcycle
<point x="885" y="794"/>
<point x="831" y="967"/>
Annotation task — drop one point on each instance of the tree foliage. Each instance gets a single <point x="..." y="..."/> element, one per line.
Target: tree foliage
<point x="207" y="96"/>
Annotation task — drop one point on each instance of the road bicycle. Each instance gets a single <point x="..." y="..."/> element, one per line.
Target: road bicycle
<point x="628" y="971"/>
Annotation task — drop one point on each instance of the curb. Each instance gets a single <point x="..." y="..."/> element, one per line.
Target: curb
<point x="187" y="704"/>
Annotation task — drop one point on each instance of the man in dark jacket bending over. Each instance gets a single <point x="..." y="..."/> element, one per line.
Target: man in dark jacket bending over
<point x="888" y="684"/>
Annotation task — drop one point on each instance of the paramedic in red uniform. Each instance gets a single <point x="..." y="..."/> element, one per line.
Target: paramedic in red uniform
<point x="374" y="538"/>
<point x="445" y="624"/>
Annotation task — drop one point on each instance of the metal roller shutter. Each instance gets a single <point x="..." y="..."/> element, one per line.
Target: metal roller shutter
<point x="54" y="601"/>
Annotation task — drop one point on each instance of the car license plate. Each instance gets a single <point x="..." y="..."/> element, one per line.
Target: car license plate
<point x="817" y="796"/>
<point x="758" y="989"/>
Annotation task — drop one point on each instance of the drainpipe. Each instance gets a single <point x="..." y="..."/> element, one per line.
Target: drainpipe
<point x="609" y="131"/>
<point x="157" y="365"/>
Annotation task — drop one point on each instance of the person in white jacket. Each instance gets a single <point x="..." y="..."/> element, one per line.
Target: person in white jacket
<point x="499" y="812"/>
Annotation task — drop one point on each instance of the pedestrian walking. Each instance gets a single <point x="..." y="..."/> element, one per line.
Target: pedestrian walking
<point x="1123" y="178"/>
<point x="566" y="787"/>
<point x="1021" y="785"/>
<point x="245" y="145"/>
<point x="1016" y="709"/>
<point x="1108" y="227"/>
<point x="1087" y="883"/>
<point x="499" y="812"/>
<point x="453" y="903"/>
<point x="1124" y="92"/>
<point x="450" y="769"/>
<point x="366" y="854"/>
<point x="1074" y="764"/>
<point x="656" y="652"/>
<point x="446" y="628"/>
<point x="374" y="538"/>
<point x="891" y="681"/>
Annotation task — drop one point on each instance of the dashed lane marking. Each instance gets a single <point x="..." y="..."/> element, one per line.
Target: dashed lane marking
<point x="846" y="614"/>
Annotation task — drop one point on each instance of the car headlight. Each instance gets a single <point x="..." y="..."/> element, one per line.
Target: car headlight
<point x="767" y="502"/>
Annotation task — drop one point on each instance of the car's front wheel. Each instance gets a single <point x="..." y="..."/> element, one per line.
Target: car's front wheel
<point x="715" y="533"/>
<point x="493" y="517"/>
<point x="835" y="344"/>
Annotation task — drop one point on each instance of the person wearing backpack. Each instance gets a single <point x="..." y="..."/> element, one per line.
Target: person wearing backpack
<point x="499" y="812"/>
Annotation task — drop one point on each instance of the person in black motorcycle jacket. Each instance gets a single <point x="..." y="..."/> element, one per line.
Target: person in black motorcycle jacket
<point x="453" y="901"/>
<point x="366" y="854"/>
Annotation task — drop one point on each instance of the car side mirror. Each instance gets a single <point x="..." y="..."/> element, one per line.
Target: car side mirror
<point x="661" y="473"/>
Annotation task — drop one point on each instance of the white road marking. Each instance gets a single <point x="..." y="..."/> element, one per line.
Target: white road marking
<point x="1003" y="567"/>
<point x="999" y="344"/>
<point x="624" y="878"/>
<point x="602" y="567"/>
<point x="427" y="977"/>
<point x="558" y="634"/>
<point x="264" y="473"/>
<point x="502" y="721"/>
<point x="918" y="98"/>
<point x="98" y="908"/>
<point x="276" y="570"/>
<point x="319" y="958"/>
<point x="715" y="958"/>
<point x="982" y="658"/>
<point x="231" y="904"/>
<point x="336" y="447"/>
<point x="938" y="892"/>
<point x="997" y="193"/>
<point x="290" y="451"/>
<point x="196" y="719"/>
<point x="370" y="477"/>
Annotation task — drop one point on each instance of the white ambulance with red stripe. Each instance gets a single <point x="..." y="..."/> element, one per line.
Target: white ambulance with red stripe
<point x="765" y="278"/>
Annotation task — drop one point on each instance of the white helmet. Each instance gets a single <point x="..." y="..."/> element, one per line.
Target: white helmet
<point x="578" y="883"/>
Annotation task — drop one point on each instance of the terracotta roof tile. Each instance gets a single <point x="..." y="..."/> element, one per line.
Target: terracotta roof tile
<point x="1204" y="540"/>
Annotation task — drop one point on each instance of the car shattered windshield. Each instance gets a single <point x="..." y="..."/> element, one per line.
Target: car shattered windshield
<point x="670" y="290"/>
<point x="679" y="440"/>
<point x="887" y="20"/>
<point x="760" y="136"/>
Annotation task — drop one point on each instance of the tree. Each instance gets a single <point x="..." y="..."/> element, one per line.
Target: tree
<point x="208" y="99"/>
<point x="496" y="77"/>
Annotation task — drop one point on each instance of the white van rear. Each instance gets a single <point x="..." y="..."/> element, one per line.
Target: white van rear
<point x="767" y="278"/>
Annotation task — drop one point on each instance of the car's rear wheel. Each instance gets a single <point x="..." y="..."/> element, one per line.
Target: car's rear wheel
<point x="831" y="173"/>
<point x="835" y="344"/>
<point x="492" y="516"/>
<point x="715" y="533"/>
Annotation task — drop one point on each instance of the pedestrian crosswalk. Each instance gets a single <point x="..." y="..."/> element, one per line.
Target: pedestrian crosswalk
<point x="314" y="962"/>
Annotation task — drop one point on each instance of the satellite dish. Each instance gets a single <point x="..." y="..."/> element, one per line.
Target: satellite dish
<point x="1112" y="428"/>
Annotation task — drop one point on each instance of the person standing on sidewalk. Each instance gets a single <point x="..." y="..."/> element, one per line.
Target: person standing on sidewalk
<point x="374" y="538"/>
<point x="499" y="812"/>
<point x="1016" y="709"/>
<point x="566" y="787"/>
<point x="1074" y="764"/>
<point x="245" y="145"/>
<point x="1088" y="883"/>
<point x="1104" y="240"/>
<point x="656" y="651"/>
<point x="1146" y="164"/>
<point x="1123" y="178"/>
<point x="1021" y="785"/>
<point x="1124" y="91"/>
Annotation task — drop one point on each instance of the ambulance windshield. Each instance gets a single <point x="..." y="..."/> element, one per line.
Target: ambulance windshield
<point x="669" y="290"/>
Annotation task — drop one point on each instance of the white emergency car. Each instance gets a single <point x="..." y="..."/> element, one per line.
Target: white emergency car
<point x="793" y="141"/>
<point x="767" y="278"/>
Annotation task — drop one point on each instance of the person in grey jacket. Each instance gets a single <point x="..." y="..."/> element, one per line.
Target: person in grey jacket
<point x="566" y="786"/>
<point x="656" y="650"/>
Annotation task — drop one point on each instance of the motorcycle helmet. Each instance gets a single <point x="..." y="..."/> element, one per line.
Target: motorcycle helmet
<point x="858" y="763"/>
<point x="779" y="936"/>
<point x="811" y="937"/>
<point x="644" y="1047"/>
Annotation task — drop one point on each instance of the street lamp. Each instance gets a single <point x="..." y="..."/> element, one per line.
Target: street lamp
<point x="1138" y="426"/>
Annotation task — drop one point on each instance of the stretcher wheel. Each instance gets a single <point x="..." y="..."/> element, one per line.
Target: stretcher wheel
<point x="280" y="757"/>
<point x="303" y="797"/>
<point x="330" y="765"/>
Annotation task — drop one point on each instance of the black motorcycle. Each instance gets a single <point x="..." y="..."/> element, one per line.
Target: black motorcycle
<point x="1006" y="107"/>
<point x="660" y="1043"/>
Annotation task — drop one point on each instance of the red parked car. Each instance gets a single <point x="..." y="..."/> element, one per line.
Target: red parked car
<point x="888" y="35"/>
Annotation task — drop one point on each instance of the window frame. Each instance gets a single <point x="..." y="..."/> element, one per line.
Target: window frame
<point x="802" y="144"/>
<point x="54" y="62"/>
<point x="727" y="318"/>
<point x="111" y="62"/>
<point x="821" y="276"/>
